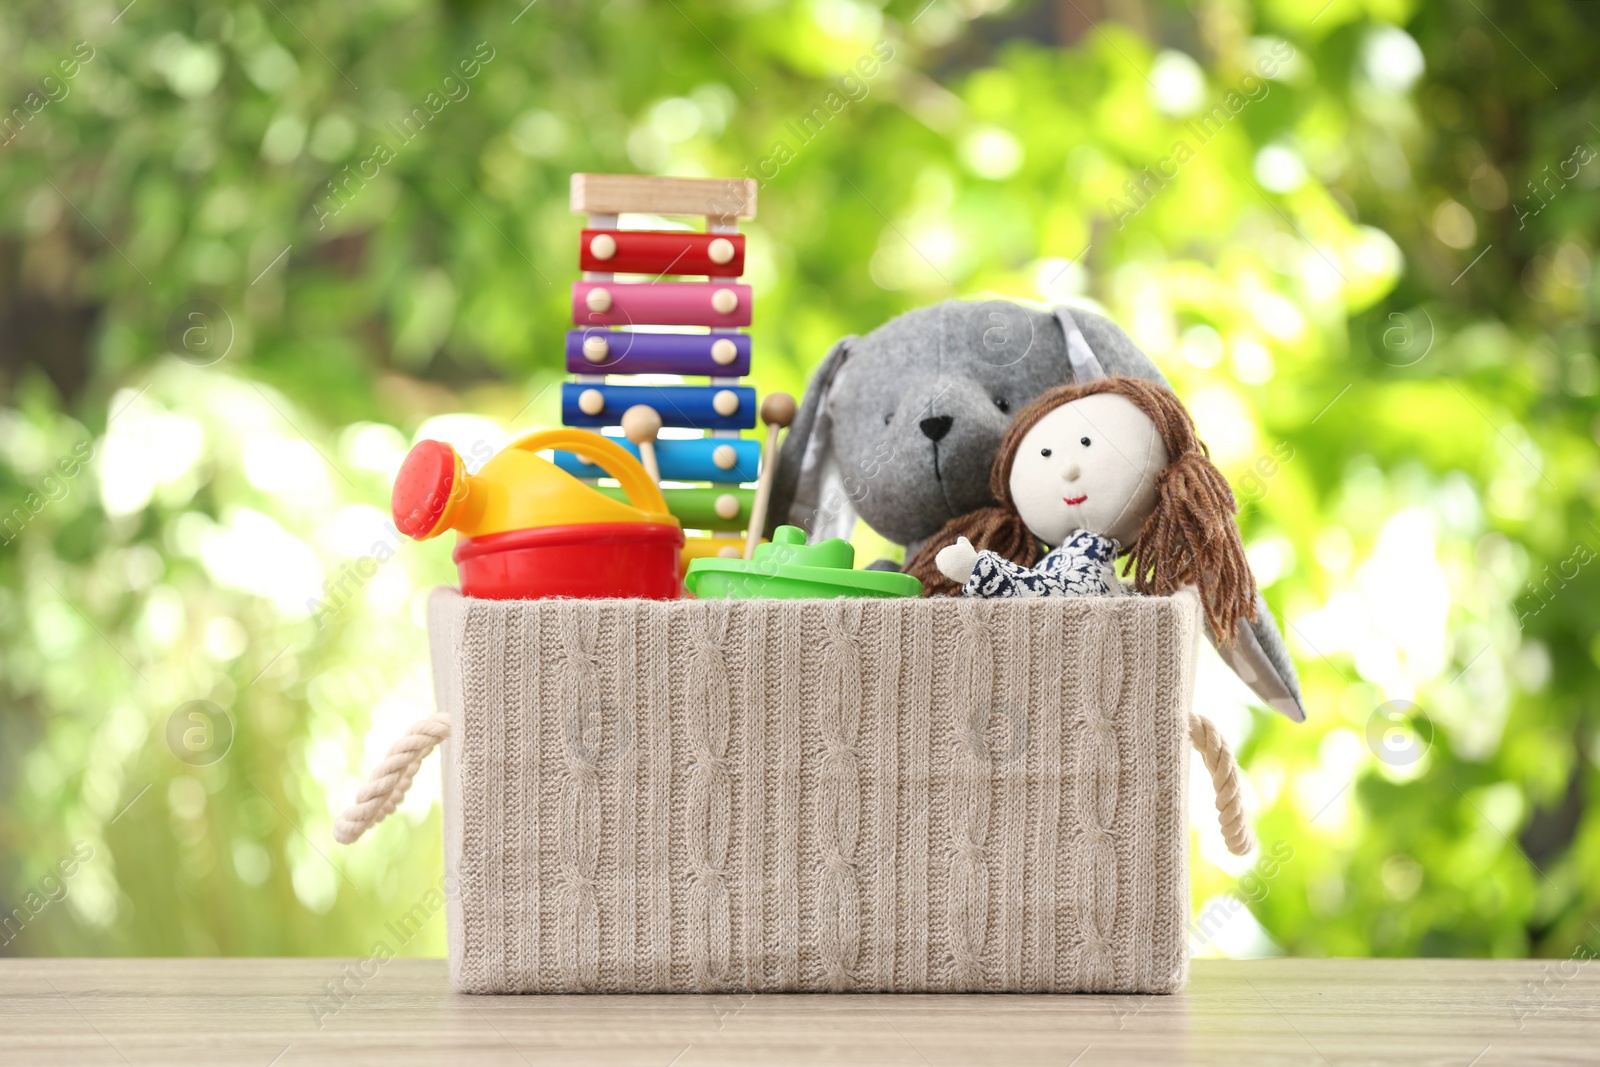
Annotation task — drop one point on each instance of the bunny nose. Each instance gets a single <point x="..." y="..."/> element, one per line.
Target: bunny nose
<point x="936" y="426"/>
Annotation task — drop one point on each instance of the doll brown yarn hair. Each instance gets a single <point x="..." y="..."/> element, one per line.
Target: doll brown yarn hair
<point x="1189" y="539"/>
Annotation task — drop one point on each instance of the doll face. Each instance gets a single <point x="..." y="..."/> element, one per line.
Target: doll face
<point x="1088" y="465"/>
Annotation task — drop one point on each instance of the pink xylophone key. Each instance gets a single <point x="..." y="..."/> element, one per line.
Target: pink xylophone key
<point x="714" y="304"/>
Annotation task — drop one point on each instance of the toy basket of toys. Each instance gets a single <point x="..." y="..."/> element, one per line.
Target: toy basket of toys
<point x="708" y="762"/>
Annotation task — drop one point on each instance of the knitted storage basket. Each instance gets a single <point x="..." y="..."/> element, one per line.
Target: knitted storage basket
<point x="764" y="795"/>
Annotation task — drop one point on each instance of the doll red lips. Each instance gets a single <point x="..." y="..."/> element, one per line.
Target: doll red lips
<point x="1076" y="499"/>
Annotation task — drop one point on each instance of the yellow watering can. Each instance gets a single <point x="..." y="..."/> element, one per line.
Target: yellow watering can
<point x="529" y="529"/>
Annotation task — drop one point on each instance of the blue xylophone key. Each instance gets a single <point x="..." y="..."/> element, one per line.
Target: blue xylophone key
<point x="700" y="459"/>
<point x="705" y="407"/>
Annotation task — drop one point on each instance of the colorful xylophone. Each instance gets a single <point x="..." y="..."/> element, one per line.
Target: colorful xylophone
<point x="620" y="331"/>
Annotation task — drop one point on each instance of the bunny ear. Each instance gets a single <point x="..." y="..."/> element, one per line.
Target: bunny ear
<point x="807" y="490"/>
<point x="1258" y="656"/>
<point x="1085" y="365"/>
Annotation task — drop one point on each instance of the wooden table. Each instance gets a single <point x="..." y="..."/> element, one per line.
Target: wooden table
<point x="256" y="1013"/>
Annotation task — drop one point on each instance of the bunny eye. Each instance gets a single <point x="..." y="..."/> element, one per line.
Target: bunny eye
<point x="1044" y="452"/>
<point x="1084" y="441"/>
<point x="1002" y="403"/>
<point x="887" y="419"/>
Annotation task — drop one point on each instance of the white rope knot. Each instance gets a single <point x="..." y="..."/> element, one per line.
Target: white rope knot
<point x="702" y="874"/>
<point x="1224" y="770"/>
<point x="386" y="786"/>
<point x="965" y="848"/>
<point x="836" y="868"/>
<point x="1099" y="837"/>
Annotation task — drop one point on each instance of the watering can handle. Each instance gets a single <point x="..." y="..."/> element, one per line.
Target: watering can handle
<point x="643" y="493"/>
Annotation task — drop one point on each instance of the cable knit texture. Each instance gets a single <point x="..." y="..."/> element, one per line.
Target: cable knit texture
<point x="913" y="795"/>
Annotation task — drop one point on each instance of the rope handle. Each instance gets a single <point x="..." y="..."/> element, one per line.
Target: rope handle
<point x="389" y="781"/>
<point x="1224" y="769"/>
<point x="386" y="787"/>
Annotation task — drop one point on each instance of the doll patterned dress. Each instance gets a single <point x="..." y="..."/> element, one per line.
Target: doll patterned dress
<point x="1083" y="566"/>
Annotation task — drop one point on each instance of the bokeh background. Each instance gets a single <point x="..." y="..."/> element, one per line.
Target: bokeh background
<point x="234" y="288"/>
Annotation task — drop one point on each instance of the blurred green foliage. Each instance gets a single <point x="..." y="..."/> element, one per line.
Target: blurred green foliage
<point x="1370" y="273"/>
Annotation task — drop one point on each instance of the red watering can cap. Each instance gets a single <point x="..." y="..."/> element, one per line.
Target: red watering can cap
<point x="422" y="488"/>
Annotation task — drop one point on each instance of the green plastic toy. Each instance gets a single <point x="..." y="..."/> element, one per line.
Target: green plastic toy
<point x="790" y="569"/>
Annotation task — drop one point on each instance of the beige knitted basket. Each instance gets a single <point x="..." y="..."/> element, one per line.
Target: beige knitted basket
<point x="763" y="795"/>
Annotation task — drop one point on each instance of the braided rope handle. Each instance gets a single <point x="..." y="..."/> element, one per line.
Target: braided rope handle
<point x="1218" y="758"/>
<point x="386" y="786"/>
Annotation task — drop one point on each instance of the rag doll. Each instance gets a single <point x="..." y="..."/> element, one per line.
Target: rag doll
<point x="1101" y="468"/>
<point x="902" y="425"/>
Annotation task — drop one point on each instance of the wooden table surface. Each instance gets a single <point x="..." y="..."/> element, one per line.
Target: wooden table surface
<point x="277" y="1012"/>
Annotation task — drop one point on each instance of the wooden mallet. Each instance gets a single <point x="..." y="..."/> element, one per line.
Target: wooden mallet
<point x="777" y="411"/>
<point x="640" y="424"/>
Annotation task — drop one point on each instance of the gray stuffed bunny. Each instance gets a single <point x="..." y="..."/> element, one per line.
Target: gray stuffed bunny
<point x="900" y="428"/>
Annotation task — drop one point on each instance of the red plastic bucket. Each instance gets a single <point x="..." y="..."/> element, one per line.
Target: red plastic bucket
<point x="589" y="560"/>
